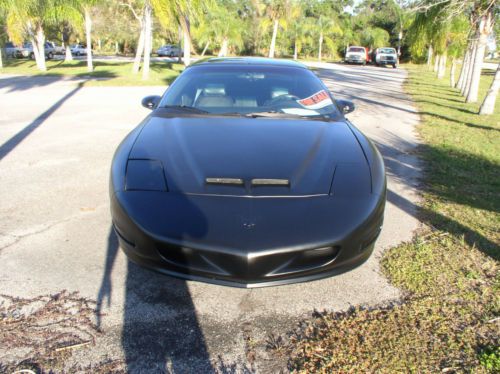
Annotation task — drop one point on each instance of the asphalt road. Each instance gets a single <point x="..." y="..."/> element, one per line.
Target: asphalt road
<point x="56" y="142"/>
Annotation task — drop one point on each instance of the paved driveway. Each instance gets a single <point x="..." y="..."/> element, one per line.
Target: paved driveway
<point x="56" y="142"/>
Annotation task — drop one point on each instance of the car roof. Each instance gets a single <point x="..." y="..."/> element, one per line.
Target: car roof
<point x="248" y="61"/>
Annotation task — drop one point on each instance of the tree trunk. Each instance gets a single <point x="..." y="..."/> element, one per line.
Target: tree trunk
<point x="39" y="46"/>
<point x="429" y="57"/>
<point x="442" y="65"/>
<point x="273" y="40"/>
<point x="483" y="31"/>
<point x="436" y="63"/>
<point x="187" y="39"/>
<point x="117" y="48"/>
<point x="452" y="72"/>
<point x="320" y="44"/>
<point x="295" y="52"/>
<point x="67" y="54"/>
<point x="223" y="48"/>
<point x="147" y="40"/>
<point x="99" y="44"/>
<point x="488" y="106"/>
<point x="140" y="49"/>
<point x="205" y="49"/>
<point x="1" y="59"/>
<point x="65" y="38"/>
<point x="469" y="70"/>
<point x="465" y="66"/>
<point x="88" y="30"/>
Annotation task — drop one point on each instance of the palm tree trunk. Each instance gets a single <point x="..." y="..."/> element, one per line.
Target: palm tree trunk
<point x="67" y="54"/>
<point x="467" y="81"/>
<point x="223" y="48"/>
<point x="88" y="30"/>
<point x="320" y="44"/>
<point x="117" y="49"/>
<point x="140" y="49"/>
<point x="187" y="39"/>
<point x="429" y="57"/>
<point x="482" y="33"/>
<point x="488" y="106"/>
<point x="442" y="65"/>
<point x="436" y="63"/>
<point x="465" y="65"/>
<point x="205" y="49"/>
<point x="273" y="40"/>
<point x="39" y="47"/>
<point x="147" y="40"/>
<point x="452" y="72"/>
<point x="1" y="59"/>
<point x="295" y="52"/>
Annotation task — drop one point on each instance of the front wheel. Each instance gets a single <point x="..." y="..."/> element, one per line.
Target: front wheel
<point x="394" y="66"/>
<point x="50" y="55"/>
<point x="32" y="56"/>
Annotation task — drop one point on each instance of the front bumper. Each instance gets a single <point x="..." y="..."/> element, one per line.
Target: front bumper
<point x="230" y="243"/>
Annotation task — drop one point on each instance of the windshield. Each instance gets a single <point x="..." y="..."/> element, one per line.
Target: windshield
<point x="388" y="50"/>
<point x="246" y="89"/>
<point x="356" y="49"/>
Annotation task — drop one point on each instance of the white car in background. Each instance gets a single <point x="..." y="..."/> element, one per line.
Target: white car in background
<point x="78" y="50"/>
<point x="386" y="56"/>
<point x="356" y="55"/>
<point x="168" y="50"/>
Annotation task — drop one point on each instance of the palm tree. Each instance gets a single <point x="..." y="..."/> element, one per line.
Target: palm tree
<point x="27" y="19"/>
<point x="483" y="29"/>
<point x="86" y="7"/>
<point x="276" y="11"/>
<point x="488" y="106"/>
<point x="180" y="12"/>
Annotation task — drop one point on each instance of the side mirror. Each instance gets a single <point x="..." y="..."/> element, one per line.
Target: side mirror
<point x="151" y="102"/>
<point x="346" y="106"/>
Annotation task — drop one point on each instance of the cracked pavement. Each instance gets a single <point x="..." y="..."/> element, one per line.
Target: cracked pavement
<point x="56" y="143"/>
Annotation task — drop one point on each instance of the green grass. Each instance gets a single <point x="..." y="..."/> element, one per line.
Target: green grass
<point x="448" y="320"/>
<point x="104" y="74"/>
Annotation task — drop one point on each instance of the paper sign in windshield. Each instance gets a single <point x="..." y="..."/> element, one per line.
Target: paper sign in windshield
<point x="318" y="100"/>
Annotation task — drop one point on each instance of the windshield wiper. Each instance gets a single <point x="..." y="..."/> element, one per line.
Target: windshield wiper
<point x="185" y="109"/>
<point x="276" y="114"/>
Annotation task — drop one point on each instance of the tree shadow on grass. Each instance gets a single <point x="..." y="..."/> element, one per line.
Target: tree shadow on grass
<point x="455" y="176"/>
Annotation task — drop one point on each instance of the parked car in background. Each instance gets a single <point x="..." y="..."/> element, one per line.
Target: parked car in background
<point x="168" y="50"/>
<point x="27" y="51"/>
<point x="78" y="50"/>
<point x="11" y="50"/>
<point x="385" y="56"/>
<point x="58" y="49"/>
<point x="356" y="55"/>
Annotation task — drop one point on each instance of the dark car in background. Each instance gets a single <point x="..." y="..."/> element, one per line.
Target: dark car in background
<point x="246" y="173"/>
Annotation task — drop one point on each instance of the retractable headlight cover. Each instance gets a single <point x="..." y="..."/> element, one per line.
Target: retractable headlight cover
<point x="145" y="175"/>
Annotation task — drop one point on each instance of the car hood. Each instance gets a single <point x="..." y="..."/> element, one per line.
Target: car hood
<point x="303" y="152"/>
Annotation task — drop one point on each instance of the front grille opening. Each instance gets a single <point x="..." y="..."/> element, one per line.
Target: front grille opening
<point x="308" y="260"/>
<point x="187" y="259"/>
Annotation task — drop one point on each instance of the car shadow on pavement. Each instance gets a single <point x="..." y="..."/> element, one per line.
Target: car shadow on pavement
<point x="160" y="330"/>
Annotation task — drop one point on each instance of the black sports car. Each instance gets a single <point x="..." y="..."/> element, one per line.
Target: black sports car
<point x="246" y="173"/>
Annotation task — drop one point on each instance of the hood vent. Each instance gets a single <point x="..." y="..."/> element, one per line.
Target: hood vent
<point x="225" y="181"/>
<point x="270" y="182"/>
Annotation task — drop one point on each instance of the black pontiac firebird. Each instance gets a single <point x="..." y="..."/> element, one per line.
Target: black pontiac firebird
<point x="246" y="173"/>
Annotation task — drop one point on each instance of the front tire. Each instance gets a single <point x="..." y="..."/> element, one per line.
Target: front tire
<point x="50" y="55"/>
<point x="394" y="66"/>
<point x="32" y="56"/>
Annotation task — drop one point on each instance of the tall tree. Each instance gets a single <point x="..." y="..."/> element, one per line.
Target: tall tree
<point x="86" y="7"/>
<point x="182" y="13"/>
<point x="276" y="10"/>
<point x="488" y="106"/>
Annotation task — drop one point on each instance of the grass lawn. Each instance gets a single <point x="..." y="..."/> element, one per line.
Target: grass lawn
<point x="449" y="318"/>
<point x="104" y="74"/>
